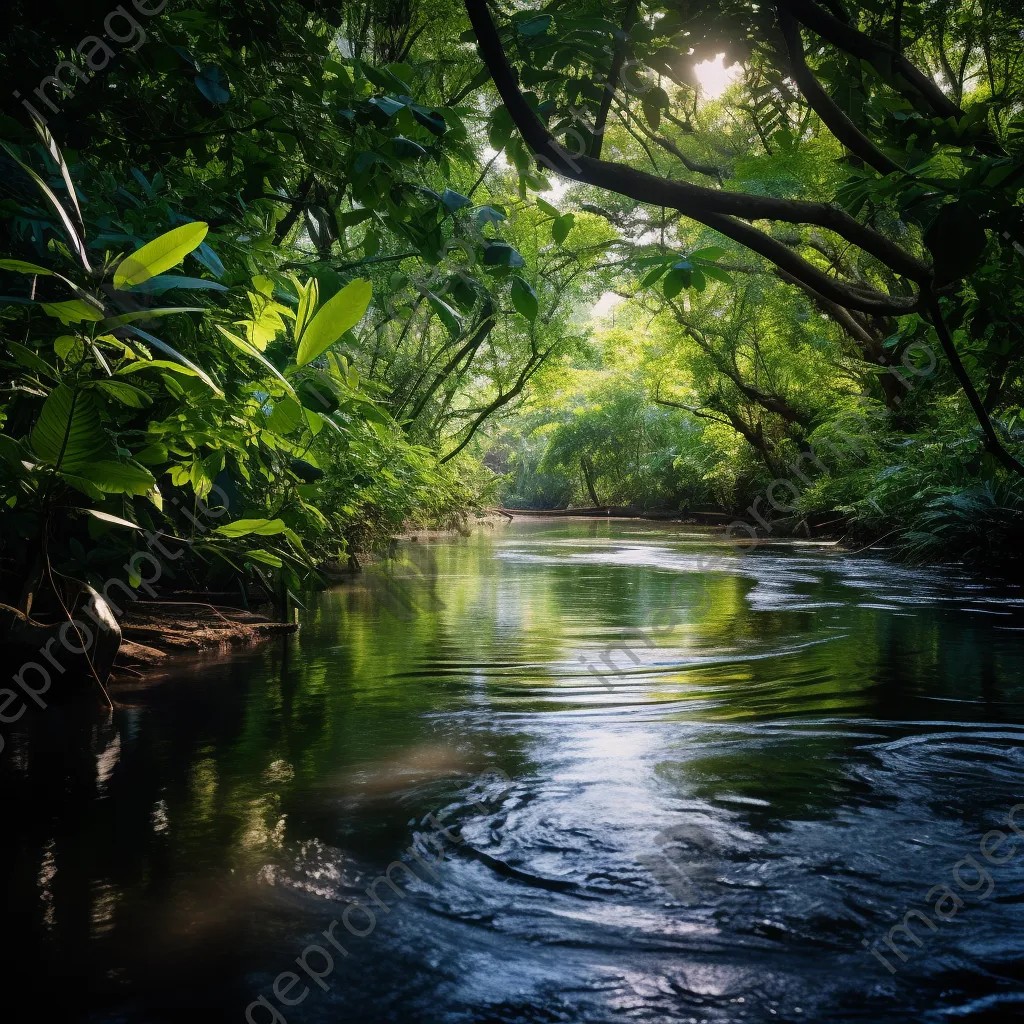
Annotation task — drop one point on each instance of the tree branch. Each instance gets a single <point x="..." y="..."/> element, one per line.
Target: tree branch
<point x="618" y="58"/>
<point x="992" y="442"/>
<point x="715" y="208"/>
<point x="890" y="64"/>
<point x="823" y="105"/>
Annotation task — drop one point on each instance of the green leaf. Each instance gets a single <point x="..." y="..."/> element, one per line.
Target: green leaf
<point x="31" y="359"/>
<point x="387" y="106"/>
<point x="562" y="226"/>
<point x="68" y="433"/>
<point x="535" y="26"/>
<point x="317" y="399"/>
<point x="305" y="471"/>
<point x="259" y="555"/>
<point x="111" y="477"/>
<point x="250" y="527"/>
<point x="652" y="111"/>
<point x="675" y="281"/>
<point x="175" y="354"/>
<point x="710" y="252"/>
<point x="501" y="254"/>
<point x="445" y="314"/>
<point x="126" y="394"/>
<point x="524" y="298"/>
<point x="159" y="255"/>
<point x="168" y="282"/>
<point x="72" y="311"/>
<point x="489" y="215"/>
<point x="654" y="276"/>
<point x="213" y="84"/>
<point x="255" y="353"/>
<point x="716" y="273"/>
<point x="21" y="267"/>
<point x="309" y="296"/>
<point x="336" y="316"/>
<point x="432" y="120"/>
<point x="152" y="455"/>
<point x="406" y="149"/>
<point x="70" y="348"/>
<point x="453" y="201"/>
<point x="156" y="364"/>
<point x="285" y="417"/>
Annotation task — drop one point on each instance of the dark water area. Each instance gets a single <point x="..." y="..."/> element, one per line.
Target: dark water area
<point x="729" y="775"/>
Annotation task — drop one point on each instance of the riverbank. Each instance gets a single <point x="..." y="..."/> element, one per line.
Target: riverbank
<point x="155" y="633"/>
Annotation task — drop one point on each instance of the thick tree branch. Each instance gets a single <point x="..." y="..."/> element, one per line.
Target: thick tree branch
<point x="823" y="105"/>
<point x="890" y="64"/>
<point x="715" y="208"/>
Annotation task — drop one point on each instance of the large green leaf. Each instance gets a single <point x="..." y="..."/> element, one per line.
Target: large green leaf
<point x="286" y="416"/>
<point x="21" y="267"/>
<point x="524" y="298"/>
<point x="109" y="476"/>
<point x="560" y="228"/>
<point x="126" y="394"/>
<point x="168" y="282"/>
<point x="501" y="254"/>
<point x="27" y="357"/>
<point x="159" y="255"/>
<point x="72" y="311"/>
<point x="156" y="364"/>
<point x="333" y="319"/>
<point x="68" y="433"/>
<point x="248" y="527"/>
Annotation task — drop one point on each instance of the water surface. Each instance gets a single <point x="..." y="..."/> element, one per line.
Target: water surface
<point x="728" y="771"/>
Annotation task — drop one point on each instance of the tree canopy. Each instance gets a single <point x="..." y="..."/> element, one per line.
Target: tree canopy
<point x="327" y="269"/>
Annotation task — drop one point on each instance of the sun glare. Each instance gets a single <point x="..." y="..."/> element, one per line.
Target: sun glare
<point x="606" y="304"/>
<point x="714" y="77"/>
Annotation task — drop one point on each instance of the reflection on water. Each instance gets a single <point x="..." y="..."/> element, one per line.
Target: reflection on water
<point x="728" y="774"/>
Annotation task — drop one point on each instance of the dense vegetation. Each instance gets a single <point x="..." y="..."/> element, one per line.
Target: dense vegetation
<point x="312" y="271"/>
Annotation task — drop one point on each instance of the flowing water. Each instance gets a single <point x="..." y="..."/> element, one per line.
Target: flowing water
<point x="729" y="774"/>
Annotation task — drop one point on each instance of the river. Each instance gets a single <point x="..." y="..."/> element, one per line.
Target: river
<point x="669" y="781"/>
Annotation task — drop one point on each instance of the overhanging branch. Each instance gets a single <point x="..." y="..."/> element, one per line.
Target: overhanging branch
<point x="717" y="209"/>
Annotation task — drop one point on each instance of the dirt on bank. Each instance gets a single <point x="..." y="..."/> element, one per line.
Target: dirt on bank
<point x="154" y="633"/>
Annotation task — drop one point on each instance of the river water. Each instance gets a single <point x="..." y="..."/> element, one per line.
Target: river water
<point x="680" y="782"/>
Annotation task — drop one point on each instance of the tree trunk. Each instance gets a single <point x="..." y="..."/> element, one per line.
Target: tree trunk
<point x="588" y="476"/>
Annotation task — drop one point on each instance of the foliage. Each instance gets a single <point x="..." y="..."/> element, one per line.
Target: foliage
<point x="334" y="267"/>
